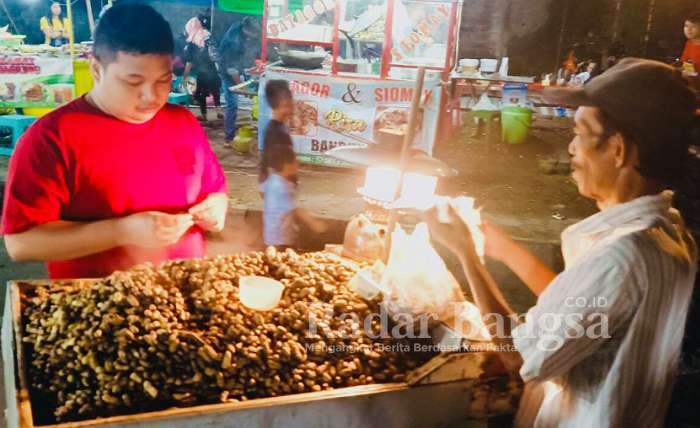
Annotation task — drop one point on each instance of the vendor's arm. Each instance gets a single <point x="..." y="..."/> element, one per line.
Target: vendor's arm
<point x="65" y="240"/>
<point x="528" y="267"/>
<point x="585" y="306"/>
<point x="455" y="235"/>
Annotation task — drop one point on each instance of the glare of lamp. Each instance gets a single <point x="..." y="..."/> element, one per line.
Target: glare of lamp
<point x="381" y="183"/>
<point x="418" y="188"/>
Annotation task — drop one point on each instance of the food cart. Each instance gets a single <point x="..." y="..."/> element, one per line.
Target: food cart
<point x="352" y="66"/>
<point x="120" y="352"/>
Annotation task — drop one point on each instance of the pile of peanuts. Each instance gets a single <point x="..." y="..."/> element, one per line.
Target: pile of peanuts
<point x="177" y="335"/>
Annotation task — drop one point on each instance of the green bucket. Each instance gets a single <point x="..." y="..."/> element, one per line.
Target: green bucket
<point x="515" y="124"/>
<point x="246" y="131"/>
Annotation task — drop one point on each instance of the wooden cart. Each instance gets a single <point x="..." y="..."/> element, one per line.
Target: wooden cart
<point x="456" y="389"/>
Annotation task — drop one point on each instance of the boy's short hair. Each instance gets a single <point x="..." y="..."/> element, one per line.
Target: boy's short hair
<point x="276" y="91"/>
<point x="132" y="29"/>
<point x="278" y="156"/>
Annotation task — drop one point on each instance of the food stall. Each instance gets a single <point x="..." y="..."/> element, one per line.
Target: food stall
<point x="352" y="66"/>
<point x="33" y="77"/>
<point x="38" y="78"/>
<point x="208" y="342"/>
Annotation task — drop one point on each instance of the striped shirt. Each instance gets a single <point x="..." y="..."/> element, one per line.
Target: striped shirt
<point x="601" y="346"/>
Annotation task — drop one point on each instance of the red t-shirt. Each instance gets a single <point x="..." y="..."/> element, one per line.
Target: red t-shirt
<point x="692" y="52"/>
<point x="80" y="164"/>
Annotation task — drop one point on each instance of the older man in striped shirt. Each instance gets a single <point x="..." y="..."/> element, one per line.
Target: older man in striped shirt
<point x="601" y="346"/>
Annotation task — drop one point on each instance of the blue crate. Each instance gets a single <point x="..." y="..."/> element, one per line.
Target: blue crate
<point x="12" y="127"/>
<point x="177" y="98"/>
<point x="177" y="83"/>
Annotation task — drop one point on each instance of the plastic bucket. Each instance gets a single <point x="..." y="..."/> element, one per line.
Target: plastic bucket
<point x="515" y="124"/>
<point x="514" y="94"/>
<point x="82" y="77"/>
<point x="259" y="293"/>
<point x="246" y="131"/>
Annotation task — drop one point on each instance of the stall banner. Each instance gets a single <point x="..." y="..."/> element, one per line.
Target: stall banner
<point x="330" y="111"/>
<point x="35" y="81"/>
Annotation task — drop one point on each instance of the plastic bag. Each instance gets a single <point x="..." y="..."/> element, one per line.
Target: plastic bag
<point x="472" y="218"/>
<point x="416" y="280"/>
<point x="364" y="240"/>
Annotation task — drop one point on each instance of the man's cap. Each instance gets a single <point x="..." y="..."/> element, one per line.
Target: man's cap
<point x="640" y="95"/>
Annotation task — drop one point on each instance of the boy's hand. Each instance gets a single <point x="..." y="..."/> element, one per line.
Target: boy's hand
<point x="210" y="214"/>
<point x="152" y="229"/>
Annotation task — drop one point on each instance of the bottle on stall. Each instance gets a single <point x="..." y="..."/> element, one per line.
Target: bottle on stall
<point x="503" y="71"/>
<point x="376" y="67"/>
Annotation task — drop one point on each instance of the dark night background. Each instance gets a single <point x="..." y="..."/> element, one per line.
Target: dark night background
<point x="535" y="34"/>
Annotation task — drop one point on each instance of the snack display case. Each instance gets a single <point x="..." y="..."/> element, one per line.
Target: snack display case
<point x="352" y="66"/>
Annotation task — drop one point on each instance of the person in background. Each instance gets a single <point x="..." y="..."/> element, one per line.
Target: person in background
<point x="585" y="72"/>
<point x="279" y="98"/>
<point x="56" y="28"/>
<point x="200" y="57"/>
<point x="119" y="177"/>
<point x="691" y="53"/>
<point x="281" y="215"/>
<point x="568" y="69"/>
<point x="238" y="50"/>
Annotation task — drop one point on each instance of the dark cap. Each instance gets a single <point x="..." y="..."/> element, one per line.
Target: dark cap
<point x="641" y="96"/>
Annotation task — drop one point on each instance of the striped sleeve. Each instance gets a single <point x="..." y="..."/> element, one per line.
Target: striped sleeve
<point x="582" y="308"/>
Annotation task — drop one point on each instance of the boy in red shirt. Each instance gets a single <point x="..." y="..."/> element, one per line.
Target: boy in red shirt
<point x="117" y="177"/>
<point x="691" y="53"/>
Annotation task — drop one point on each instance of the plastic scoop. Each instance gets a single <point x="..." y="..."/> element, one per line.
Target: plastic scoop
<point x="260" y="293"/>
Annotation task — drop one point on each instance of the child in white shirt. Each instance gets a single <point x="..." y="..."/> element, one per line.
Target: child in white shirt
<point x="281" y="215"/>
